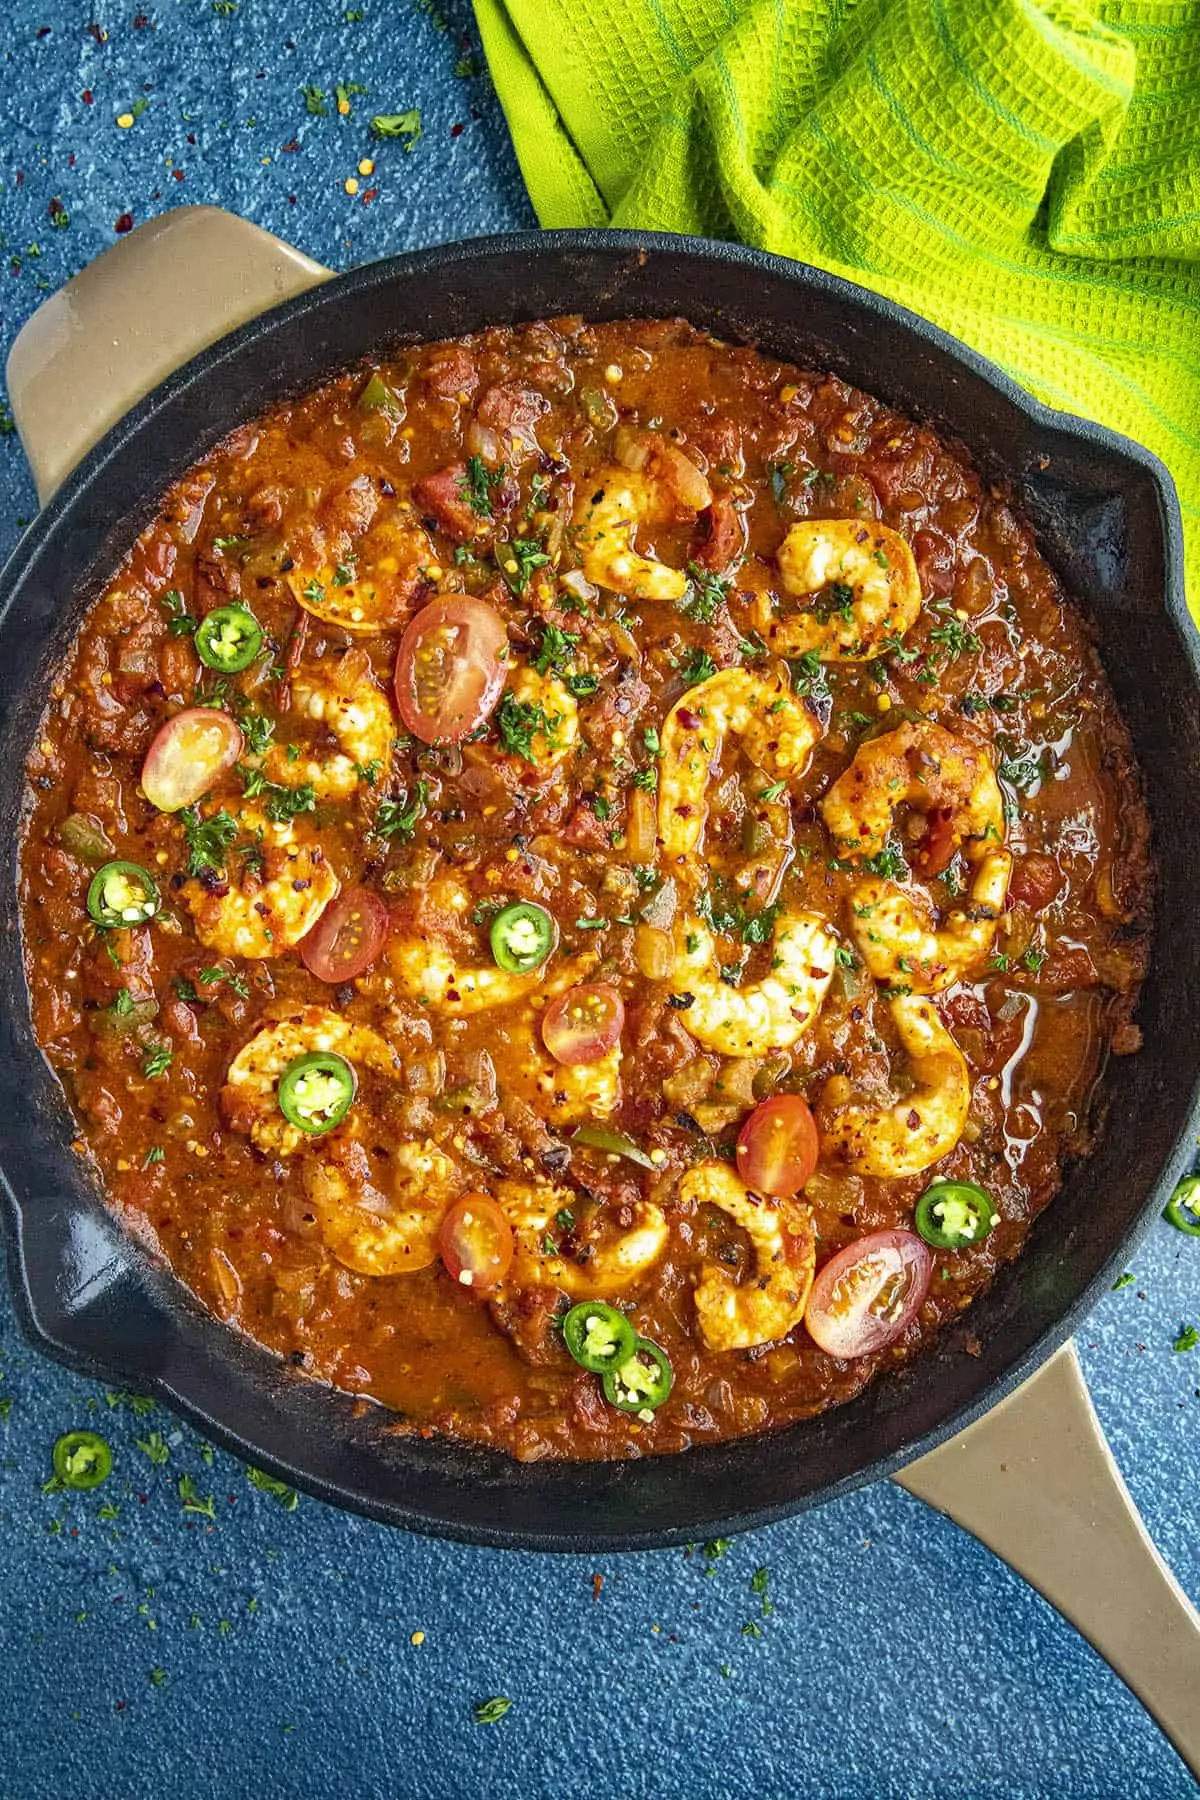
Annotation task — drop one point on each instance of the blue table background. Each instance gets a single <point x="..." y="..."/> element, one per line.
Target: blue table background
<point x="268" y="1651"/>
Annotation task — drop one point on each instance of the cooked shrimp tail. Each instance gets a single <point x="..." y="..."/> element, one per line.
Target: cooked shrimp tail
<point x="912" y="1134"/>
<point x="769" y="1304"/>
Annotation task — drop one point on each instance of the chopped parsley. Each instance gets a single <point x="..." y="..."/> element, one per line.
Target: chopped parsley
<point x="122" y="1003"/>
<point x="729" y="918"/>
<point x="520" y="721"/>
<point x="257" y="730"/>
<point x="1188" y="1338"/>
<point x="706" y="594"/>
<point x="398" y="818"/>
<point x="236" y="982"/>
<point x="406" y="126"/>
<point x="287" y="1496"/>
<point x="157" y="1061"/>
<point x="155" y="1154"/>
<point x="477" y="484"/>
<point x="193" y="1502"/>
<point x="955" y="638"/>
<point x="556" y="649"/>
<point x="836" y="600"/>
<point x="518" y="559"/>
<point x="1022" y="769"/>
<point x="207" y="840"/>
<point x="489" y="1711"/>
<point x="1125" y="1280"/>
<point x="1033" y="959"/>
<point x="156" y="1447"/>
<point x="698" y="667"/>
<point x="888" y="864"/>
<point x="582" y="687"/>
<point x="180" y="622"/>
<point x="646" y="779"/>
<point x="780" y="474"/>
<point x="809" y="679"/>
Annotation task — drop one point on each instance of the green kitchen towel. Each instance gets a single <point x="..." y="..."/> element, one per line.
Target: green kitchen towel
<point x="1024" y="172"/>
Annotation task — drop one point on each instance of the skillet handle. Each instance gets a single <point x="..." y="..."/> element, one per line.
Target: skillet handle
<point x="156" y="299"/>
<point x="1035" y="1481"/>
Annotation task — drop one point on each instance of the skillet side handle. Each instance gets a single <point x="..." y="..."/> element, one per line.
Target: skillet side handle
<point x="141" y="310"/>
<point x="1035" y="1481"/>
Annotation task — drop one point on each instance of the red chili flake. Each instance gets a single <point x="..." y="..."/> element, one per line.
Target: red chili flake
<point x="292" y="144"/>
<point x="20" y="178"/>
<point x="43" y="31"/>
<point x="88" y="96"/>
<point x="97" y="32"/>
<point x="457" y="130"/>
<point x="120" y="1706"/>
<point x="71" y="160"/>
<point x="178" y="174"/>
<point x="123" y="224"/>
<point x="140" y="21"/>
<point x="369" y="195"/>
<point x="291" y="199"/>
<point x="597" y="1585"/>
<point x="191" y="137"/>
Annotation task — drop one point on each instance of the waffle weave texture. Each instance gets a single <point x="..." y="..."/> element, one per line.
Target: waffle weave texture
<point x="1026" y="173"/>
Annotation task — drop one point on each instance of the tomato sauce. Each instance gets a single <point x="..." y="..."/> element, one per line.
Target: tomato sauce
<point x="529" y="607"/>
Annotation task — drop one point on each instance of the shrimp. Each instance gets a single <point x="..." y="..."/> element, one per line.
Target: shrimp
<point x="370" y="589"/>
<point x="546" y="712"/>
<point x="764" y="1015"/>
<point x="249" y="1099"/>
<point x="356" y="712"/>
<point x="609" y="1268"/>
<point x="917" y="1131"/>
<point x="765" y="1308"/>
<point x="949" y="779"/>
<point x="651" y="483"/>
<point x="271" y="901"/>
<point x="568" y="1093"/>
<point x="860" y="580"/>
<point x="365" y="1229"/>
<point x="898" y="944"/>
<point x="777" y="732"/>
<point x="434" y="974"/>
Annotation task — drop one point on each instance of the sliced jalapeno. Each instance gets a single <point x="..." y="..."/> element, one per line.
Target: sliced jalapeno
<point x="122" y="893"/>
<point x="82" y="1460"/>
<point x="598" y="1336"/>
<point x="642" y="1382"/>
<point x="229" y="639"/>
<point x="1183" y="1208"/>
<point x="316" y="1091"/>
<point x="522" y="937"/>
<point x="953" y="1214"/>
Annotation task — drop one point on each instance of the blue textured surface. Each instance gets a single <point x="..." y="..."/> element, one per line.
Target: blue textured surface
<point x="269" y="1652"/>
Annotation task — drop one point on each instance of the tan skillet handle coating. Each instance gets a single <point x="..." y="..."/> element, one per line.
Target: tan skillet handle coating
<point x="1034" y="1480"/>
<point x="158" y="297"/>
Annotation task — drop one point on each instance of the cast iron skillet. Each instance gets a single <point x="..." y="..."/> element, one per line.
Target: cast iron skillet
<point x="1108" y="520"/>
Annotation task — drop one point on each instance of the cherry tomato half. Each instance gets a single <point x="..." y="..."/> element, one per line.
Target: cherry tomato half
<point x="450" y="668"/>
<point x="866" y="1294"/>
<point x="777" y="1147"/>
<point x="188" y="754"/>
<point x="583" y="1024"/>
<point x="476" y="1242"/>
<point x="347" y="937"/>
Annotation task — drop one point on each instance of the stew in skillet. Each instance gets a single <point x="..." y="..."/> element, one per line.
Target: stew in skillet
<point x="580" y="881"/>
